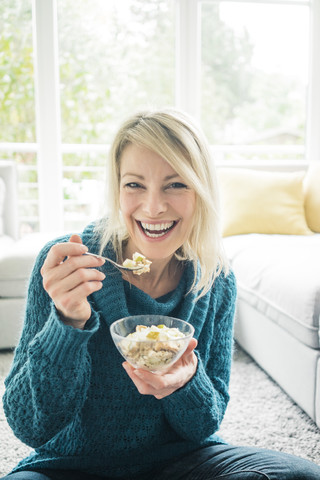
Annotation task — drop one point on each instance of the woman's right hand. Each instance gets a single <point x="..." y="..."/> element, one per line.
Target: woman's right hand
<point x="69" y="277"/>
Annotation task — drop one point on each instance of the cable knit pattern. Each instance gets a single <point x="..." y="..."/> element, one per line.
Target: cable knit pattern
<point x="68" y="396"/>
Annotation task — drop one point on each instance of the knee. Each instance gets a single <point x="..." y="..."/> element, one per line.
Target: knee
<point x="244" y="475"/>
<point x="285" y="466"/>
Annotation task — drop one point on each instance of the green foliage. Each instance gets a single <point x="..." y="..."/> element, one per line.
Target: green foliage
<point x="226" y="59"/>
<point x="123" y="59"/>
<point x="17" y="113"/>
<point x="240" y="102"/>
<point x="112" y="64"/>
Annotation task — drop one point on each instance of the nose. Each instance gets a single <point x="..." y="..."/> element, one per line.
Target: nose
<point x="154" y="204"/>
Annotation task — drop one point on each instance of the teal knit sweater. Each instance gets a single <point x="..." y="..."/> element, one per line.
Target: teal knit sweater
<point x="68" y="396"/>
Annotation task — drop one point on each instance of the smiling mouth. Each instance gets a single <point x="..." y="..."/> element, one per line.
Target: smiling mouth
<point x="156" y="230"/>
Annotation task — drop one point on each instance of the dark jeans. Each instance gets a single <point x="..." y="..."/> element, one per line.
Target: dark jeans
<point x="223" y="462"/>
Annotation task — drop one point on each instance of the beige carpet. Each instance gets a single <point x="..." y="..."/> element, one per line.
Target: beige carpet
<point x="259" y="413"/>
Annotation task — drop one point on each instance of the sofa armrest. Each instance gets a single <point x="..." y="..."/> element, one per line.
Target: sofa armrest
<point x="8" y="173"/>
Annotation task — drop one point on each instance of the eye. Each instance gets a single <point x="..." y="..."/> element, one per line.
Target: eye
<point x="177" y="185"/>
<point x="133" y="185"/>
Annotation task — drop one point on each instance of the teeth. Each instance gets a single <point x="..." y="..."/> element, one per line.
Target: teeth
<point x="154" y="235"/>
<point x="156" y="230"/>
<point x="156" y="226"/>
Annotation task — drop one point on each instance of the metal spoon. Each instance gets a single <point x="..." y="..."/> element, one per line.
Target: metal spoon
<point x="121" y="267"/>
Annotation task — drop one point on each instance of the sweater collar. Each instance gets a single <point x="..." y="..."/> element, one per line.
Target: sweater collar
<point x="111" y="301"/>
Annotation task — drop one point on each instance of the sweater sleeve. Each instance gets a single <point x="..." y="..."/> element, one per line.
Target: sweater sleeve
<point x="50" y="374"/>
<point x="196" y="410"/>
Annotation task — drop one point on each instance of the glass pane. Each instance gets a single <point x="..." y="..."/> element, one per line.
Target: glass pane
<point x="116" y="57"/>
<point x="254" y="73"/>
<point x="83" y="188"/>
<point x="28" y="193"/>
<point x="27" y="190"/>
<point x="17" y="111"/>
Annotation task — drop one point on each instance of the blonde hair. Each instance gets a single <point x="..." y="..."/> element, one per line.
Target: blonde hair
<point x="172" y="135"/>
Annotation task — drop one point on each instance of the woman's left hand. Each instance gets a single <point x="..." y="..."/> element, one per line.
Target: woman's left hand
<point x="162" y="385"/>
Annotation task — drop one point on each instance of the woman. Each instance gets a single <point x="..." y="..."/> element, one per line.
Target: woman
<point x="88" y="414"/>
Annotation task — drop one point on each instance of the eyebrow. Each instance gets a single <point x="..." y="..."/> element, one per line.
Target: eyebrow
<point x="141" y="177"/>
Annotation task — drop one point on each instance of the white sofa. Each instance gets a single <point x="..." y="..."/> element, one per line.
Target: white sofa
<point x="278" y="310"/>
<point x="278" y="275"/>
<point x="16" y="258"/>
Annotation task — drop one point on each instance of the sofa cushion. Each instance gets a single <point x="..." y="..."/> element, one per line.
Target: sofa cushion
<point x="262" y="202"/>
<point x="312" y="196"/>
<point x="16" y="262"/>
<point x="279" y="276"/>
<point x="5" y="244"/>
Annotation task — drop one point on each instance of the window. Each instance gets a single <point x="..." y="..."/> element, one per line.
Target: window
<point x="109" y="68"/>
<point x="17" y="108"/>
<point x="115" y="57"/>
<point x="255" y="75"/>
<point x="79" y="68"/>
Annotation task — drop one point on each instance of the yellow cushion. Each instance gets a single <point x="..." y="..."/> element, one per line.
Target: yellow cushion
<point x="256" y="201"/>
<point x="312" y="196"/>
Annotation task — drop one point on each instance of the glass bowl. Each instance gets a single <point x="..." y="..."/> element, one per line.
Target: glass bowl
<point x="152" y="348"/>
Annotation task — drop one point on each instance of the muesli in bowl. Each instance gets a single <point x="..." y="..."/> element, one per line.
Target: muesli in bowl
<point x="151" y="342"/>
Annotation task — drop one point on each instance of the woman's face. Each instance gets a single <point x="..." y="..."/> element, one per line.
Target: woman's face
<point x="156" y="203"/>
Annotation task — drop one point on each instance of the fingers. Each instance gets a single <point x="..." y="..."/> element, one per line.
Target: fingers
<point x="74" y="263"/>
<point x="139" y="383"/>
<point x="72" y="251"/>
<point x="74" y="272"/>
<point x="69" y="277"/>
<point x="70" y="302"/>
<point x="192" y="345"/>
<point x="59" y="283"/>
<point x="75" y="238"/>
<point x="60" y="251"/>
<point x="160" y="390"/>
<point x="162" y="385"/>
<point x="158" y="383"/>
